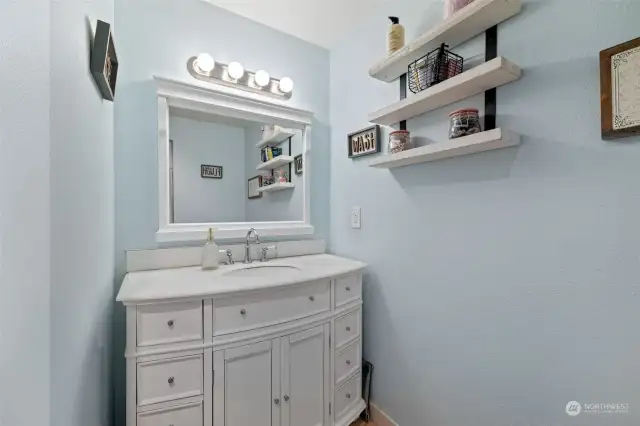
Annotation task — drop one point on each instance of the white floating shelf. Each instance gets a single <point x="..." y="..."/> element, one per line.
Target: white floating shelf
<point x="279" y="136"/>
<point x="279" y="161"/>
<point x="276" y="187"/>
<point x="465" y="24"/>
<point x="483" y="141"/>
<point x="494" y="73"/>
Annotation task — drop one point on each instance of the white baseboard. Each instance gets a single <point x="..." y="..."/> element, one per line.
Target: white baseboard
<point x="380" y="418"/>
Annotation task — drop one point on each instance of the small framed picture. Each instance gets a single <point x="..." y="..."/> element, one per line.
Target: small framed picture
<point x="253" y="187"/>
<point x="297" y="162"/>
<point x="211" y="172"/>
<point x="104" y="61"/>
<point x="620" y="90"/>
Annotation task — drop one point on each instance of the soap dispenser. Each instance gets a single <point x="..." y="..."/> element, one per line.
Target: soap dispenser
<point x="210" y="253"/>
<point x="395" y="35"/>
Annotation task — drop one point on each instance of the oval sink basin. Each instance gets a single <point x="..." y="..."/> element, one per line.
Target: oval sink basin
<point x="263" y="271"/>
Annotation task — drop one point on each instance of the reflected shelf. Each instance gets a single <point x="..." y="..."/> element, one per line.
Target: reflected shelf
<point x="278" y="137"/>
<point x="279" y="161"/>
<point x="276" y="187"/>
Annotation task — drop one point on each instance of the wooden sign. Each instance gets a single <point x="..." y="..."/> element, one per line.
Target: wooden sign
<point x="620" y="90"/>
<point x="211" y="172"/>
<point x="364" y="142"/>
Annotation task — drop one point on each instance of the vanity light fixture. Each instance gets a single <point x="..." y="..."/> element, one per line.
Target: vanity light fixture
<point x="236" y="70"/>
<point x="286" y="85"/>
<point x="205" y="62"/>
<point x="204" y="67"/>
<point x="262" y="78"/>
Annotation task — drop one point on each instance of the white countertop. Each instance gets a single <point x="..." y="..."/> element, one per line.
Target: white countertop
<point x="192" y="282"/>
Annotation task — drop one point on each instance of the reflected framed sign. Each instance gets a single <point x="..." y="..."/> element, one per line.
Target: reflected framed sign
<point x="211" y="172"/>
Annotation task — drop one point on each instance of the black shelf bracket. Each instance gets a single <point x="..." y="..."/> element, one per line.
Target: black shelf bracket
<point x="490" y="101"/>
<point x="403" y="95"/>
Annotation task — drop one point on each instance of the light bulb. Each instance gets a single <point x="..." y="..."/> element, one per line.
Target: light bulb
<point x="236" y="70"/>
<point x="262" y="78"/>
<point x="205" y="62"/>
<point x="286" y="85"/>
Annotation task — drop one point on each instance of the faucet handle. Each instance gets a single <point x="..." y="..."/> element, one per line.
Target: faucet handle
<point x="229" y="255"/>
<point x="265" y="250"/>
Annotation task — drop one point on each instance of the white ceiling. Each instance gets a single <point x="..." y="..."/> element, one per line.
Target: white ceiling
<point x="322" y="22"/>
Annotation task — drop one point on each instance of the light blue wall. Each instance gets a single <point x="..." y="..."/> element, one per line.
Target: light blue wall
<point x="202" y="200"/>
<point x="82" y="222"/>
<point x="505" y="284"/>
<point x="156" y="37"/>
<point x="282" y="205"/>
<point x="25" y="32"/>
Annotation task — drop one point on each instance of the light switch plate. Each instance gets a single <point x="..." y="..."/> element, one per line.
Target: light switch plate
<point x="356" y="217"/>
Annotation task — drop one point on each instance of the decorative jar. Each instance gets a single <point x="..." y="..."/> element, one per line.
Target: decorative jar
<point x="452" y="6"/>
<point x="464" y="122"/>
<point x="399" y="141"/>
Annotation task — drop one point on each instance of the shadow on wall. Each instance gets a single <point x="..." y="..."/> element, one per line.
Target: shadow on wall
<point x="393" y="347"/>
<point x="96" y="376"/>
<point x="476" y="168"/>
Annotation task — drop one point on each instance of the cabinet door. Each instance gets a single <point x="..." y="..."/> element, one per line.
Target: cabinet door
<point x="305" y="378"/>
<point x="243" y="392"/>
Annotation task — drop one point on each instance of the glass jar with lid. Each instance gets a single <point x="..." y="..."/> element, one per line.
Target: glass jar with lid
<point x="464" y="122"/>
<point x="399" y="141"/>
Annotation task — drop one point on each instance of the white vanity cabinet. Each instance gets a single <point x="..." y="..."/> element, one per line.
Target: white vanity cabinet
<point x="244" y="389"/>
<point x="282" y="380"/>
<point x="281" y="355"/>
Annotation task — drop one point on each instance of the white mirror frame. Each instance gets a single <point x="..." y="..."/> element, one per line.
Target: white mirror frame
<point x="234" y="103"/>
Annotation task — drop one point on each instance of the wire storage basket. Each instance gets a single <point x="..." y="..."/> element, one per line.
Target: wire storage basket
<point x="434" y="68"/>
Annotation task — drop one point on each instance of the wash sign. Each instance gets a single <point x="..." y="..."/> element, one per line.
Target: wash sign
<point x="364" y="142"/>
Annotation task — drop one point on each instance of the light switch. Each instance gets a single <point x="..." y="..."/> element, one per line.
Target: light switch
<point x="356" y="215"/>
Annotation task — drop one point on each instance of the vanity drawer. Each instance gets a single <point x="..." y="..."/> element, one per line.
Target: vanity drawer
<point x="347" y="361"/>
<point x="169" y="379"/>
<point x="347" y="396"/>
<point x="169" y="323"/>
<point x="348" y="289"/>
<point x="234" y="314"/>
<point x="182" y="415"/>
<point x="347" y="328"/>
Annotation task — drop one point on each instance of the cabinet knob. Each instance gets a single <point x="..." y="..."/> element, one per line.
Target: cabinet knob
<point x="286" y="397"/>
<point x="348" y="328"/>
<point x="170" y="323"/>
<point x="171" y="380"/>
<point x="348" y="395"/>
<point x="243" y="312"/>
<point x="348" y="288"/>
<point x="312" y="298"/>
<point x="276" y="401"/>
<point x="348" y="362"/>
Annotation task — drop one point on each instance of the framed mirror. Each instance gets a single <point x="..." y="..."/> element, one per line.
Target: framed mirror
<point x="226" y="160"/>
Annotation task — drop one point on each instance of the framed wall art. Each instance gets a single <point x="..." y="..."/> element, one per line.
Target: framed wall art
<point x="364" y="142"/>
<point x="620" y="90"/>
<point x="253" y="186"/>
<point x="104" y="61"/>
<point x="211" y="172"/>
<point x="297" y="162"/>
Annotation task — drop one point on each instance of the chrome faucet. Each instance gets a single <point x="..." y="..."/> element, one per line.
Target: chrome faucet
<point x="247" y="246"/>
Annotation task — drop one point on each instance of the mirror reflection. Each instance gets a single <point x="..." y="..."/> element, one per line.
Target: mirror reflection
<point x="223" y="169"/>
